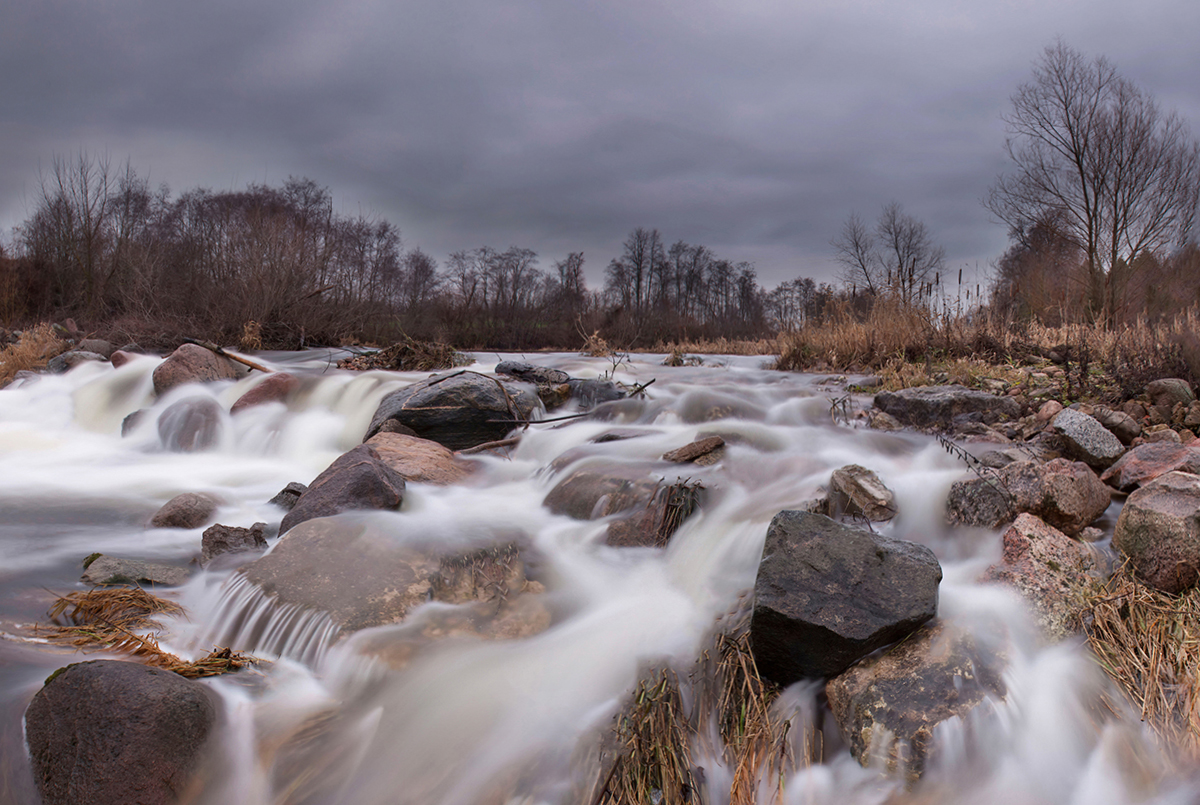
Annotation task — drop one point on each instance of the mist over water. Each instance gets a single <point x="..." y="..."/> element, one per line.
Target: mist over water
<point x="468" y="720"/>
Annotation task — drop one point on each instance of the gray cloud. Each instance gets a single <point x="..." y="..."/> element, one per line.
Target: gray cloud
<point x="754" y="128"/>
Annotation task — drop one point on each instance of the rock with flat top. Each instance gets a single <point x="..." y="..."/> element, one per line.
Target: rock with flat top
<point x="102" y="570"/>
<point x="419" y="460"/>
<point x="937" y="406"/>
<point x="1159" y="530"/>
<point x="1144" y="463"/>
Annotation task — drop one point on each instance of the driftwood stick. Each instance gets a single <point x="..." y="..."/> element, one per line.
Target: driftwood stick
<point x="482" y="448"/>
<point x="229" y="355"/>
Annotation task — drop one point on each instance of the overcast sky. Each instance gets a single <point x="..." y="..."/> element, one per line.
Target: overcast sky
<point x="753" y="127"/>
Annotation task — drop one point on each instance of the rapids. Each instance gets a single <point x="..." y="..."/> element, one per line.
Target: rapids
<point x="467" y="718"/>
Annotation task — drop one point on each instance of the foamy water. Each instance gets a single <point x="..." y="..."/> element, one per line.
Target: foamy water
<point x="471" y="720"/>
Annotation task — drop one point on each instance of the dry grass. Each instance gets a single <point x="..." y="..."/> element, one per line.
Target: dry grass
<point x="594" y="346"/>
<point x="721" y="346"/>
<point x="36" y="346"/>
<point x="111" y="618"/>
<point x="669" y="716"/>
<point x="408" y="355"/>
<point x="1149" y="643"/>
<point x="251" y="339"/>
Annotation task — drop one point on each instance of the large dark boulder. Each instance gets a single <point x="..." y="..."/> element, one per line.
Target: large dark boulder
<point x="827" y="595"/>
<point x="194" y="364"/>
<point x="937" y="406"/>
<point x="888" y="705"/>
<point x="458" y="410"/>
<point x="108" y="732"/>
<point x="1159" y="530"/>
<point x="358" y="479"/>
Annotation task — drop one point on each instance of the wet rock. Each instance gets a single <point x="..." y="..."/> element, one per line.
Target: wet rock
<point x="528" y="373"/>
<point x="1168" y="391"/>
<point x="97" y="345"/>
<point x="1065" y="494"/>
<point x="589" y="393"/>
<point x="588" y="494"/>
<point x="120" y="357"/>
<point x="1047" y="568"/>
<point x="1159" y="530"/>
<point x="69" y="360"/>
<point x="190" y="425"/>
<point x="132" y="421"/>
<point x="1123" y="426"/>
<point x="362" y="578"/>
<point x="188" y="510"/>
<point x="1086" y="439"/>
<point x="458" y="410"/>
<point x="936" y="406"/>
<point x="653" y="526"/>
<point x="881" y="420"/>
<point x="223" y="539"/>
<point x="827" y="595"/>
<point x="275" y="387"/>
<point x="982" y="502"/>
<point x="194" y="364"/>
<point x="696" y="450"/>
<point x="1148" y="461"/>
<point x="358" y="479"/>
<point x="286" y="498"/>
<point x="107" y="732"/>
<point x="620" y="434"/>
<point x="101" y="570"/>
<point x="419" y="460"/>
<point x="858" y="492"/>
<point x="888" y="705"/>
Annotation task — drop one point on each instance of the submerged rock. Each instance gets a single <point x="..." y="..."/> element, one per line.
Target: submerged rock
<point x="1159" y="530"/>
<point x="459" y="410"/>
<point x="588" y="494"/>
<point x="190" y="425"/>
<point x="888" y="705"/>
<point x="287" y="497"/>
<point x="275" y="387"/>
<point x="827" y="595"/>
<point x="106" y="732"/>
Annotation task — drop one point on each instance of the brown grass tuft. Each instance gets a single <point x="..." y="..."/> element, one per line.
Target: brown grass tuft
<point x="36" y="346"/>
<point x="408" y="355"/>
<point x="721" y="346"/>
<point x="1148" y="642"/>
<point x="110" y="619"/>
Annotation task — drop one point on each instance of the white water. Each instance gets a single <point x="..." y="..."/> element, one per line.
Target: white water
<point x="465" y="717"/>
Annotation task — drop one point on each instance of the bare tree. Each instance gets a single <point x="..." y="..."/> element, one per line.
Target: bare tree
<point x="856" y="251"/>
<point x="1094" y="149"/>
<point x="898" y="259"/>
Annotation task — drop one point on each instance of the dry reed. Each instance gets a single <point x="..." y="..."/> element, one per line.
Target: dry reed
<point x="720" y="346"/>
<point x="1148" y="642"/>
<point x="36" y="346"/>
<point x="408" y="355"/>
<point x="110" y="619"/>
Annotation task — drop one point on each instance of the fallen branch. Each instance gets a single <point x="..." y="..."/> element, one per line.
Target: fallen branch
<point x="218" y="350"/>
<point x="483" y="448"/>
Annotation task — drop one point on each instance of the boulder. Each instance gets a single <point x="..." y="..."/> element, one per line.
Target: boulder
<point x="528" y="373"/>
<point x="286" y="498"/>
<point x="587" y="494"/>
<point x="69" y="360"/>
<point x="937" y="406"/>
<point x="983" y="502"/>
<point x="1159" y="530"/>
<point x="362" y="577"/>
<point x="888" y="705"/>
<point x="1048" y="410"/>
<point x="97" y="345"/>
<point x="99" y="569"/>
<point x="1065" y="494"/>
<point x="858" y="492"/>
<point x="1160" y="434"/>
<point x="190" y="425"/>
<point x="1047" y="568"/>
<point x="1121" y="424"/>
<point x="458" y="410"/>
<point x="192" y="363"/>
<point x="1086" y="439"/>
<point x="419" y="460"/>
<point x="827" y="595"/>
<point x="275" y="387"/>
<point x="698" y="451"/>
<point x="654" y="525"/>
<point x="107" y="732"/>
<point x="589" y="393"/>
<point x="1144" y="463"/>
<point x="358" y="479"/>
<point x="1169" y="391"/>
<point x="222" y="539"/>
<point x="187" y="510"/>
<point x="120" y="357"/>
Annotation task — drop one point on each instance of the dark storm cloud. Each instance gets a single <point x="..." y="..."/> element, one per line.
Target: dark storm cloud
<point x="754" y="128"/>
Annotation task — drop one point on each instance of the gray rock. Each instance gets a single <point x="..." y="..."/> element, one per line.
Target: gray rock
<point x="858" y="492"/>
<point x="188" y="510"/>
<point x="827" y="595"/>
<point x="69" y="360"/>
<point x="222" y="539"/>
<point x="97" y="345"/>
<point x="1169" y="391"/>
<point x="194" y="364"/>
<point x="286" y="498"/>
<point x="1122" y="425"/>
<point x="1086" y="439"/>
<point x="528" y="373"/>
<point x="1047" y="568"/>
<point x="888" y="705"/>
<point x="980" y="502"/>
<point x="592" y="392"/>
<point x="458" y="410"/>
<point x="358" y="479"/>
<point x="1159" y="530"/>
<point x="111" y="570"/>
<point x="108" y="732"/>
<point x="937" y="406"/>
<point x="592" y="493"/>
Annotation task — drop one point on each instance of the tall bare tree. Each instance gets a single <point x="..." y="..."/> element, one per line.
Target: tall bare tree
<point x="1094" y="150"/>
<point x="898" y="259"/>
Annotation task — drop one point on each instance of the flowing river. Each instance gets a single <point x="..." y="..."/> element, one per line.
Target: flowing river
<point x="452" y="723"/>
